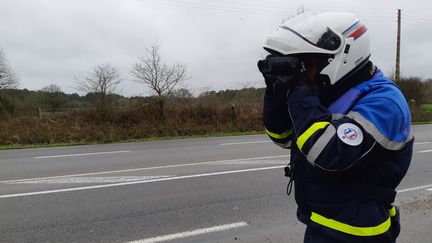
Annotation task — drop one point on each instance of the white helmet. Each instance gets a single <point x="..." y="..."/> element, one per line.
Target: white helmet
<point x="340" y="35"/>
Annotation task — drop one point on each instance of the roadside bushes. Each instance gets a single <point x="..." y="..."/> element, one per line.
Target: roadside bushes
<point x="420" y="114"/>
<point x="140" y="120"/>
<point x="228" y="111"/>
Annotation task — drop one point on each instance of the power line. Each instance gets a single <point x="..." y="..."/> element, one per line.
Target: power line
<point x="419" y="18"/>
<point x="263" y="8"/>
<point x="239" y="7"/>
<point x="267" y="4"/>
<point x="417" y="21"/>
<point x="192" y="4"/>
<point x="418" y="25"/>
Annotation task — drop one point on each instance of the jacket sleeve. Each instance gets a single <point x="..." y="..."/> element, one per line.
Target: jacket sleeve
<point x="328" y="141"/>
<point x="276" y="120"/>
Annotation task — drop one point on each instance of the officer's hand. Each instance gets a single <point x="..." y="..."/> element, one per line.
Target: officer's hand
<point x="281" y="74"/>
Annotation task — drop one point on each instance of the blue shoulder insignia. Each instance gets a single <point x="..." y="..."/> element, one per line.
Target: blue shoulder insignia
<point x="383" y="112"/>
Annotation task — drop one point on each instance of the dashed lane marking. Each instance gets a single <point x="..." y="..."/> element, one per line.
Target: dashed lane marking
<point x="136" y="182"/>
<point x="147" y="168"/>
<point x="191" y="233"/>
<point x="84" y="154"/>
<point x="266" y="141"/>
<point x="424" y="151"/>
<point x="255" y="162"/>
<point x="89" y="180"/>
<point x="413" y="188"/>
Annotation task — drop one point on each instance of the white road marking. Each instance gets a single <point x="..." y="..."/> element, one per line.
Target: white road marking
<point x="424" y="151"/>
<point x="147" y="168"/>
<point x="255" y="162"/>
<point x="422" y="143"/>
<point x="136" y="182"/>
<point x="191" y="233"/>
<point x="430" y="189"/>
<point x="85" y="154"/>
<point x="413" y="188"/>
<point x="80" y="180"/>
<point x="266" y="141"/>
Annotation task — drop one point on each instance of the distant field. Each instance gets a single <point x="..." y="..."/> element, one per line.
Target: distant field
<point x="427" y="107"/>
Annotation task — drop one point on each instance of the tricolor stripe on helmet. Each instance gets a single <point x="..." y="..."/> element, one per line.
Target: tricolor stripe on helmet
<point x="356" y="30"/>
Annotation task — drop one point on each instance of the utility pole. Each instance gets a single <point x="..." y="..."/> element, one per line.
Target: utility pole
<point x="398" y="46"/>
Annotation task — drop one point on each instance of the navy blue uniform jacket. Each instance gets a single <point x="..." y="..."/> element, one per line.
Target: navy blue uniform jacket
<point x="348" y="157"/>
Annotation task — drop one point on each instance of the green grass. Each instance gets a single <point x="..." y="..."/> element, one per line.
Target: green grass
<point x="422" y="123"/>
<point x="27" y="146"/>
<point x="215" y="134"/>
<point x="427" y="107"/>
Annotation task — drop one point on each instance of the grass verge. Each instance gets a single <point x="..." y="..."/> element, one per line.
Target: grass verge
<point x="427" y="107"/>
<point x="422" y="123"/>
<point x="215" y="134"/>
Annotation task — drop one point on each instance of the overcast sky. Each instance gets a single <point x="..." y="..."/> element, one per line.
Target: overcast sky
<point x="53" y="41"/>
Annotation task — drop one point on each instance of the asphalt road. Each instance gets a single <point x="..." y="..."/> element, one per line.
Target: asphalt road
<point x="229" y="189"/>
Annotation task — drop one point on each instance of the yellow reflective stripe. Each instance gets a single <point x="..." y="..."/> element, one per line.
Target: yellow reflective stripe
<point x="301" y="140"/>
<point x="392" y="212"/>
<point x="279" y="136"/>
<point x="349" y="229"/>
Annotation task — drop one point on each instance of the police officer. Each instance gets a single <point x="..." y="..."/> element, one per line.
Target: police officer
<point x="348" y="127"/>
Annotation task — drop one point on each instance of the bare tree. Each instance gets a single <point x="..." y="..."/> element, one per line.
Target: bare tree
<point x="102" y="81"/>
<point x="300" y="9"/>
<point x="182" y="93"/>
<point x="53" y="97"/>
<point x="8" y="78"/>
<point x="162" y="79"/>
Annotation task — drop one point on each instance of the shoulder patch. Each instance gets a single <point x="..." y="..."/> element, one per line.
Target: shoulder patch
<point x="350" y="134"/>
